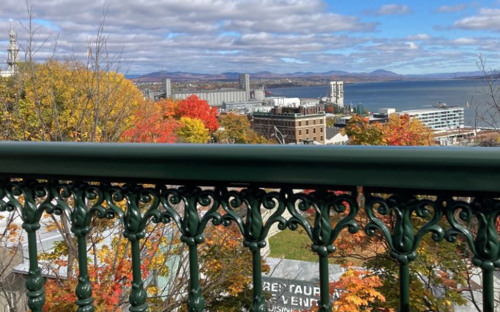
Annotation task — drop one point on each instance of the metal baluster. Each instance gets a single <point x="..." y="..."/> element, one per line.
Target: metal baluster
<point x="30" y="214"/>
<point x="323" y="234"/>
<point x="254" y="230"/>
<point x="191" y="225"/>
<point x="485" y="245"/>
<point x="135" y="224"/>
<point x="81" y="217"/>
<point x="403" y="242"/>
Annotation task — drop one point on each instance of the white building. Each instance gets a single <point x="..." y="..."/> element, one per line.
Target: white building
<point x="12" y="54"/>
<point x="439" y="118"/>
<point x="282" y="101"/>
<point x="337" y="92"/>
<point x="214" y="97"/>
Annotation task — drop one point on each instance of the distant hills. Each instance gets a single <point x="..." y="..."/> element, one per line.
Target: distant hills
<point x="376" y="75"/>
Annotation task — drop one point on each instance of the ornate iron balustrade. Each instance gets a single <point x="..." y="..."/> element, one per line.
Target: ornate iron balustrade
<point x="41" y="177"/>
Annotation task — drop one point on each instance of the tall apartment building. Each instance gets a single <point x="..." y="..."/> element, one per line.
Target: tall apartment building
<point x="288" y="125"/>
<point x="439" y="118"/>
<point x="337" y="92"/>
<point x="168" y="88"/>
<point x="245" y="84"/>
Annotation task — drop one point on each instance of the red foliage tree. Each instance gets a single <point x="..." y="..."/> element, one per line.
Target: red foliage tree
<point x="153" y="123"/>
<point x="195" y="108"/>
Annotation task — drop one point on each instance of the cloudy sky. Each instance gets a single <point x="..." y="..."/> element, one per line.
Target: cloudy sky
<point x="214" y="36"/>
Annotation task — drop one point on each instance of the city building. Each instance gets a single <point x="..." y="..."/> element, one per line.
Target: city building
<point x="442" y="117"/>
<point x="337" y="93"/>
<point x="281" y="101"/>
<point x="335" y="136"/>
<point x="247" y="107"/>
<point x="245" y="84"/>
<point x="382" y="117"/>
<point x="465" y="136"/>
<point x="214" y="97"/>
<point x="289" y="125"/>
<point x="12" y="54"/>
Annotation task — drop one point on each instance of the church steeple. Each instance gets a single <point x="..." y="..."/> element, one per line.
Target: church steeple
<point x="12" y="52"/>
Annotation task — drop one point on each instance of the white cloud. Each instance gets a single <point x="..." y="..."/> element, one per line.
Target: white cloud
<point x="487" y="19"/>
<point x="451" y="8"/>
<point x="465" y="41"/>
<point x="231" y="35"/>
<point x="394" y="9"/>
<point x="419" y="37"/>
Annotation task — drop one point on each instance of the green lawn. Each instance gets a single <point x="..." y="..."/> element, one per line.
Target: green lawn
<point x="293" y="245"/>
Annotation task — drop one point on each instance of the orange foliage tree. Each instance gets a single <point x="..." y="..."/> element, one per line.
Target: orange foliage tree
<point x="154" y="123"/>
<point x="400" y="130"/>
<point x="161" y="122"/>
<point x="356" y="290"/>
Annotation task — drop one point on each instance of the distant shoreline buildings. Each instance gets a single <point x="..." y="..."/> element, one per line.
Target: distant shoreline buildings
<point x="218" y="98"/>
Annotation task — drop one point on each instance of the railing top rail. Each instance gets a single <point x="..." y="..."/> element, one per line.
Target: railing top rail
<point x="425" y="168"/>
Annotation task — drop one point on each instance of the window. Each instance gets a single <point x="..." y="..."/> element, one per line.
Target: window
<point x="321" y="138"/>
<point x="300" y="132"/>
<point x="307" y="122"/>
<point x="314" y="122"/>
<point x="314" y="130"/>
<point x="307" y="131"/>
<point x="321" y="129"/>
<point x="300" y="123"/>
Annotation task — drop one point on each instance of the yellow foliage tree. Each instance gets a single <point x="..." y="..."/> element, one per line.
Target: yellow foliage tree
<point x="66" y="101"/>
<point x="192" y="130"/>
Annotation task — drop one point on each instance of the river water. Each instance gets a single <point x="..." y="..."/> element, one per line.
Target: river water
<point x="401" y="95"/>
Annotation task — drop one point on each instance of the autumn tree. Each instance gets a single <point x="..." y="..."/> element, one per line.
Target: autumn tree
<point x="437" y="275"/>
<point x="400" y="130"/>
<point x="192" y="130"/>
<point x="164" y="266"/>
<point x="190" y="120"/>
<point x="154" y="122"/>
<point x="70" y="100"/>
<point x="58" y="103"/>
<point x="361" y="132"/>
<point x="356" y="290"/>
<point x="235" y="129"/>
<point x="195" y="108"/>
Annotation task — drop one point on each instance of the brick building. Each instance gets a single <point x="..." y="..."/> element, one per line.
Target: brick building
<point x="304" y="124"/>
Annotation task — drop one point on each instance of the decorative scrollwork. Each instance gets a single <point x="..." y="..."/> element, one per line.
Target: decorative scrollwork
<point x="323" y="234"/>
<point x="485" y="242"/>
<point x="30" y="191"/>
<point x="403" y="241"/>
<point x="253" y="227"/>
<point x="191" y="225"/>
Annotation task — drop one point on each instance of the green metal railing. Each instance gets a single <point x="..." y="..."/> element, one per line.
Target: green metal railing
<point x="98" y="176"/>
